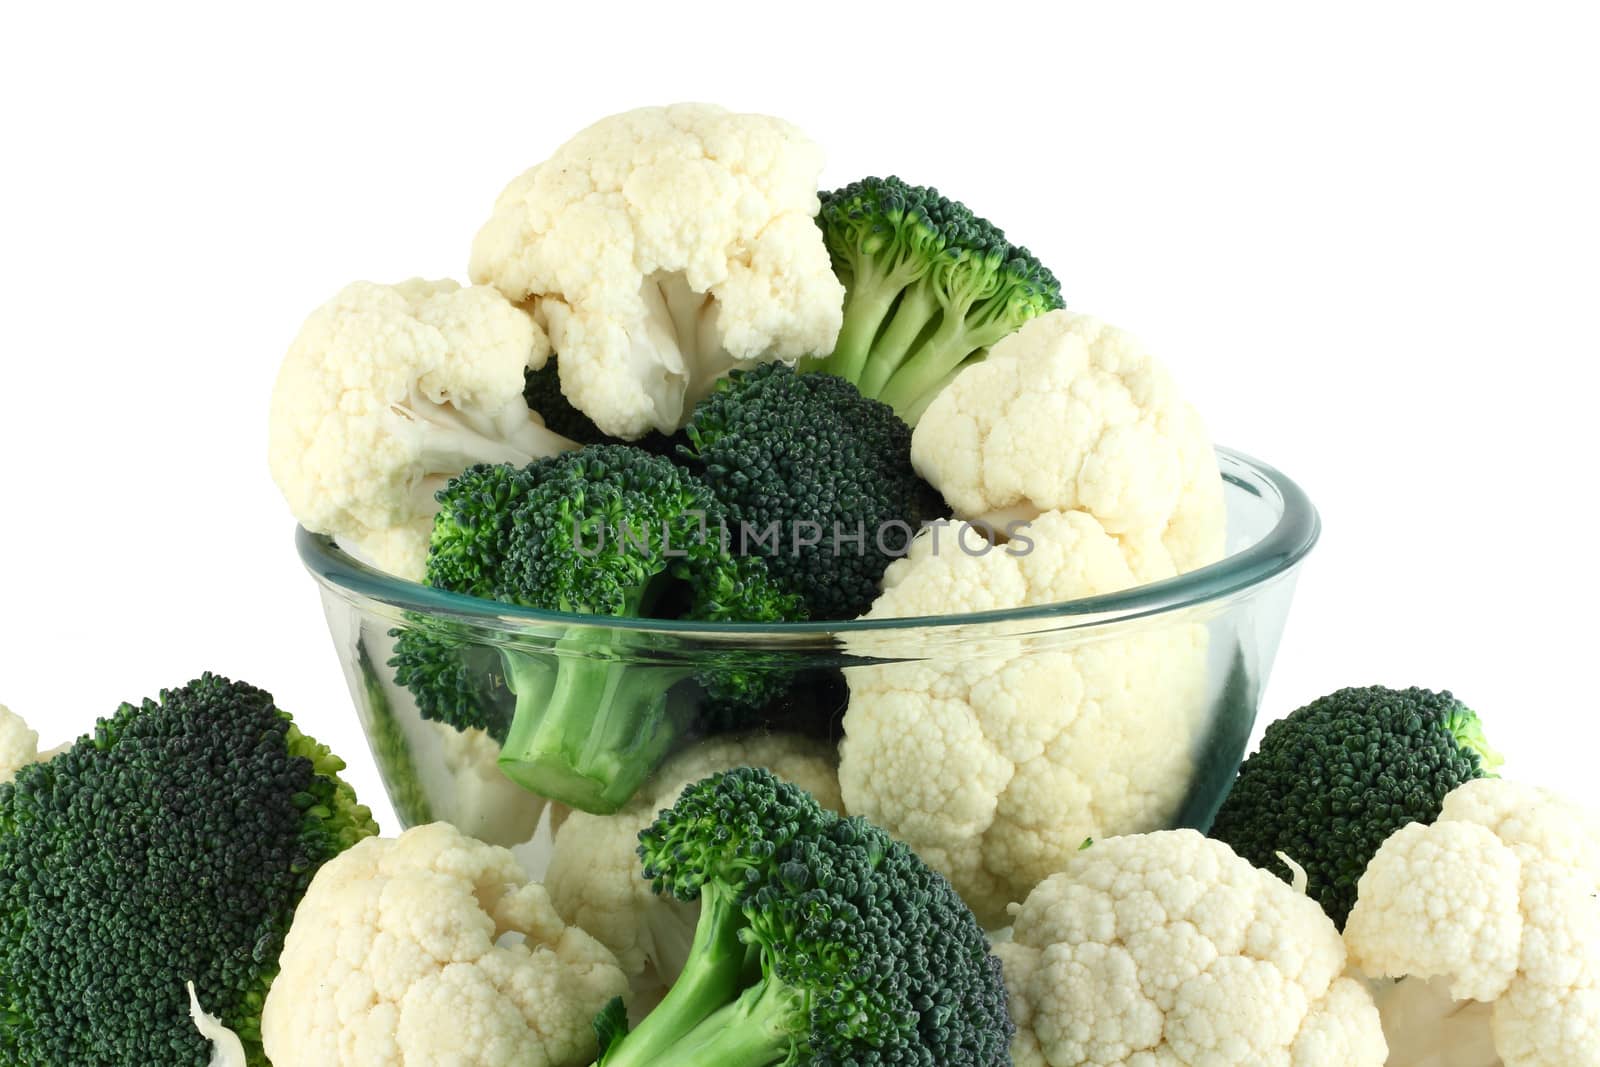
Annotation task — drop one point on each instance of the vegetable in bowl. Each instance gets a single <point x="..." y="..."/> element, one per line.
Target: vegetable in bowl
<point x="606" y="531"/>
<point x="821" y="471"/>
<point x="929" y="287"/>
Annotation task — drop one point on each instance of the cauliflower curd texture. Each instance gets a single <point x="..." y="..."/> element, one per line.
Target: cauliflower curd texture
<point x="390" y="390"/>
<point x="396" y="958"/>
<point x="1166" y="950"/>
<point x="995" y="759"/>
<point x="1499" y="899"/>
<point x="1069" y="414"/>
<point x="661" y="248"/>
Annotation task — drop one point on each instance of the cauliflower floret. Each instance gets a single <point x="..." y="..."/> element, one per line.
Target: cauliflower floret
<point x="1071" y="414"/>
<point x="663" y="247"/>
<point x="1500" y="899"/>
<point x="1167" y="948"/>
<point x="997" y="763"/>
<point x="396" y="956"/>
<point x="595" y="880"/>
<point x="389" y="391"/>
<point x="19" y="745"/>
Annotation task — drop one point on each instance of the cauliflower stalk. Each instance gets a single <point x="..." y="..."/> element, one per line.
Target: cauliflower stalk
<point x="594" y="877"/>
<point x="1499" y="900"/>
<point x="400" y="954"/>
<point x="226" y="1048"/>
<point x="663" y="247"/>
<point x="1166" y="949"/>
<point x="389" y="391"/>
<point x="1069" y="414"/>
<point x="996" y="764"/>
<point x="484" y="803"/>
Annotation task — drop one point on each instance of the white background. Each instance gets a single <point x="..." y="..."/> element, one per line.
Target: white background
<point x="1367" y="243"/>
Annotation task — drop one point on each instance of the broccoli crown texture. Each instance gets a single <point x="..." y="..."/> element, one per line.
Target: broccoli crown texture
<point x="542" y="391"/>
<point x="821" y="941"/>
<point x="172" y="844"/>
<point x="815" y="477"/>
<point x="929" y="286"/>
<point x="605" y="530"/>
<point x="1334" y="779"/>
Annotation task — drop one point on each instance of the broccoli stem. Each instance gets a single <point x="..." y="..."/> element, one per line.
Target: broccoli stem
<point x="589" y="731"/>
<point x="915" y="381"/>
<point x="872" y="298"/>
<point x="710" y="982"/>
<point x="754" y="1031"/>
<point x="918" y="306"/>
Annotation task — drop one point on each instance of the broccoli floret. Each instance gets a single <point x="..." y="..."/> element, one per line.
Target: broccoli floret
<point x="816" y="478"/>
<point x="453" y="679"/>
<point x="542" y="391"/>
<point x="1334" y="779"/>
<point x="821" y="941"/>
<point x="929" y="286"/>
<point x="606" y="530"/>
<point x="172" y="844"/>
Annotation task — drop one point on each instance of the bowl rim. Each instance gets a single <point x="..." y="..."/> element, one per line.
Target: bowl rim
<point x="1276" y="554"/>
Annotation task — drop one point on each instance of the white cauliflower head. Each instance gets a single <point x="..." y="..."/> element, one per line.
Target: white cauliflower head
<point x="1071" y="414"/>
<point x="995" y="762"/>
<point x="1500" y="899"/>
<point x="389" y="391"/>
<point x="595" y="879"/>
<point x="1167" y="949"/>
<point x="399" y="954"/>
<point x="663" y="247"/>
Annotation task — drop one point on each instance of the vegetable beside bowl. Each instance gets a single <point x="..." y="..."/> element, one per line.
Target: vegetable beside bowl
<point x="1158" y="750"/>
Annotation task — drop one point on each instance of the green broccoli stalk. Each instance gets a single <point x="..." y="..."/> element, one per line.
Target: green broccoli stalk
<point x="609" y="530"/>
<point x="929" y="286"/>
<point x="821" y="940"/>
<point x="171" y="845"/>
<point x="789" y="453"/>
<point x="1334" y="779"/>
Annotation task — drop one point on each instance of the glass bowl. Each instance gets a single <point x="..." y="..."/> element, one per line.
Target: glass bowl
<point x="1194" y="654"/>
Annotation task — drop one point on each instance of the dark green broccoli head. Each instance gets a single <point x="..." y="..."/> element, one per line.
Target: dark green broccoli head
<point x="821" y="940"/>
<point x="605" y="530"/>
<point x="170" y="845"/>
<point x="1334" y="779"/>
<point x="613" y="530"/>
<point x="542" y="391"/>
<point x="816" y="479"/>
<point x="475" y="531"/>
<point x="929" y="286"/>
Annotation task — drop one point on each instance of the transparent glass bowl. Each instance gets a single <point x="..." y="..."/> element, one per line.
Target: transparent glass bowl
<point x="1189" y="658"/>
